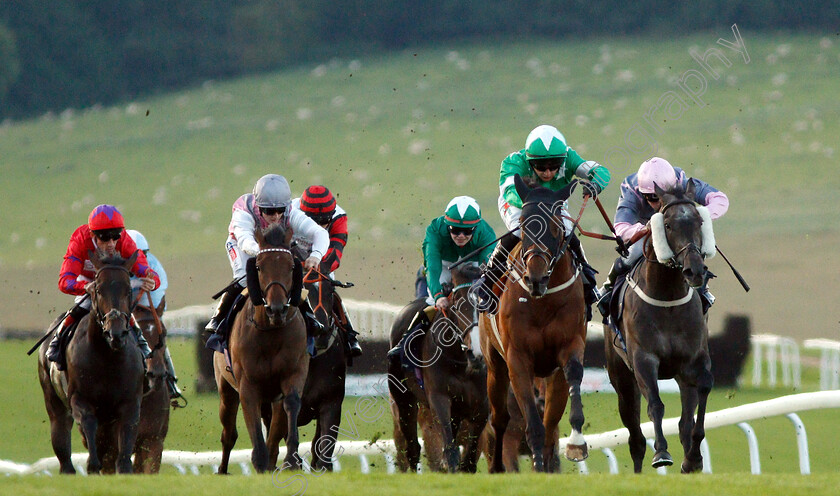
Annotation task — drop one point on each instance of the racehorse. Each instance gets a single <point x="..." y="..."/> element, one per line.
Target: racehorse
<point x="103" y="383"/>
<point x="665" y="330"/>
<point x="539" y="331"/>
<point x="269" y="361"/>
<point x="154" y="410"/>
<point x="452" y="403"/>
<point x="323" y="393"/>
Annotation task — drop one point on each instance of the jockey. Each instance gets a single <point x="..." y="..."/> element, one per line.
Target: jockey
<point x="318" y="203"/>
<point x="553" y="164"/>
<point x="457" y="233"/>
<point x="157" y="296"/>
<point x="637" y="204"/>
<point x="269" y="203"/>
<point x="105" y="233"/>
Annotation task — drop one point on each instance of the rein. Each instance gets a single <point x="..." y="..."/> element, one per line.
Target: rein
<point x="113" y="313"/>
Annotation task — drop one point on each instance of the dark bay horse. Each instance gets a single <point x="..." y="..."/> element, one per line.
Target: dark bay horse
<point x="323" y="393"/>
<point x="665" y="330"/>
<point x="540" y="331"/>
<point x="103" y="383"/>
<point x="267" y="345"/>
<point x="154" y="410"/>
<point x="452" y="405"/>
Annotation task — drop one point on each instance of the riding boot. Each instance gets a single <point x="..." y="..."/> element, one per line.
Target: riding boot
<point x="420" y="320"/>
<point x="421" y="287"/>
<point x="354" y="349"/>
<point x="482" y="290"/>
<point x="590" y="284"/>
<point x="55" y="350"/>
<point x="141" y="340"/>
<point x="171" y="379"/>
<point x="222" y="309"/>
<point x="706" y="296"/>
<point x="619" y="268"/>
<point x="314" y="328"/>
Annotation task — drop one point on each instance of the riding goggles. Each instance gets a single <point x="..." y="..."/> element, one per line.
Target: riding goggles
<point x="106" y="235"/>
<point x="273" y="210"/>
<point x="466" y="231"/>
<point x="547" y="164"/>
<point x="651" y="197"/>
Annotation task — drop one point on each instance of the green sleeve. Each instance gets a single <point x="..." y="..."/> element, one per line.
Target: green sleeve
<point x="515" y="163"/>
<point x="485" y="234"/>
<point x="573" y="161"/>
<point x="432" y="257"/>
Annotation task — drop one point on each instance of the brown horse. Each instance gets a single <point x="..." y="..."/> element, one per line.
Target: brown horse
<point x="540" y="331"/>
<point x="267" y="345"/>
<point x="154" y="410"/>
<point x="103" y="383"/>
<point x="665" y="330"/>
<point x="452" y="405"/>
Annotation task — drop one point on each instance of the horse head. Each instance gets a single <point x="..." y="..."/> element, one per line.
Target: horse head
<point x="543" y="231"/>
<point x="681" y="233"/>
<point x="462" y="311"/>
<point x="273" y="278"/>
<point x="110" y="296"/>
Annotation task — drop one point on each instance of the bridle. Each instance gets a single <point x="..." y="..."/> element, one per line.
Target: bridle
<point x="274" y="282"/>
<point x="673" y="262"/>
<point x="549" y="256"/>
<point x="114" y="313"/>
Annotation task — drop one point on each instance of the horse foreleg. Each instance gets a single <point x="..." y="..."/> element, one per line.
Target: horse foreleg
<point x="407" y="420"/>
<point x="86" y="417"/>
<point x="497" y="391"/>
<point x="128" y="435"/>
<point x="228" y="408"/>
<point x="556" y="396"/>
<point x="323" y="444"/>
<point x="252" y="414"/>
<point x="705" y="380"/>
<point x="646" y="367"/>
<point x="442" y="411"/>
<point x="277" y="426"/>
<point x="629" y="405"/>
<point x="291" y="405"/>
<point x="576" y="449"/>
<point x="522" y="382"/>
<point x="61" y="423"/>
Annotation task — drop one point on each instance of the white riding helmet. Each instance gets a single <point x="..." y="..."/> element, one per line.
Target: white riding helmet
<point x="139" y="239"/>
<point x="272" y="191"/>
<point x="656" y="170"/>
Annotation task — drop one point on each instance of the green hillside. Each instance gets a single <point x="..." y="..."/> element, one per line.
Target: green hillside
<point x="398" y="135"/>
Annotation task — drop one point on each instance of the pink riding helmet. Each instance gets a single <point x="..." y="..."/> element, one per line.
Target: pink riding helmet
<point x="656" y="170"/>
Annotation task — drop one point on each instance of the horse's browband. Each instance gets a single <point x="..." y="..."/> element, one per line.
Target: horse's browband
<point x="282" y="250"/>
<point x="676" y="202"/>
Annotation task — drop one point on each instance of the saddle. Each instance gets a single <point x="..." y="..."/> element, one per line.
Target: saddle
<point x="412" y="341"/>
<point x="63" y="340"/>
<point x="613" y="321"/>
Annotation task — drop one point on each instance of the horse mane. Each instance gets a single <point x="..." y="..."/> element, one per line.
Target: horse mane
<point x="115" y="259"/>
<point x="275" y="235"/>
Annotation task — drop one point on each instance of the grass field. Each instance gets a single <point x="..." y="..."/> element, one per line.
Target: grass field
<point x="397" y="135"/>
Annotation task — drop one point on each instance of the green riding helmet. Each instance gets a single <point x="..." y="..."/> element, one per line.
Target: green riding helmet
<point x="545" y="142"/>
<point x="462" y="211"/>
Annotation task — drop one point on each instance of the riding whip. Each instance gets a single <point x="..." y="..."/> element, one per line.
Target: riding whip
<point x="734" y="271"/>
<point x="50" y="331"/>
<point x="621" y="248"/>
<point x="478" y="250"/>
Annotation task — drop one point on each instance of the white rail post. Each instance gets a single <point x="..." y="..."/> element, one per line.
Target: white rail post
<point x="801" y="443"/>
<point x="752" y="442"/>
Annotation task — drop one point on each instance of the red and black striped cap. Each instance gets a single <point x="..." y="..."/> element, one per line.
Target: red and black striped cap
<point x="317" y="200"/>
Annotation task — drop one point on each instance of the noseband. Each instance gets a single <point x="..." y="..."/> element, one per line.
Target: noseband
<point x="550" y="257"/>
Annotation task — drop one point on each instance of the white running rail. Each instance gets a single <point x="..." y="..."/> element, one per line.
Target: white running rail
<point x="187" y="462"/>
<point x="773" y="349"/>
<point x="829" y="361"/>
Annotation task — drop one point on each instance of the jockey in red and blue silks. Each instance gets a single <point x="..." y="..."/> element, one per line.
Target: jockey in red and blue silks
<point x="105" y="233"/>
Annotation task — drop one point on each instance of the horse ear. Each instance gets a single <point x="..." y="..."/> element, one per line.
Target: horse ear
<point x="289" y="234"/>
<point x="659" y="191"/>
<point x="93" y="255"/>
<point x="130" y="262"/>
<point x="258" y="235"/>
<point x="521" y="189"/>
<point x="689" y="189"/>
<point x="565" y="192"/>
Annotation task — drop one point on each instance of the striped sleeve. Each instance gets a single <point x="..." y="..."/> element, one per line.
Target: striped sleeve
<point x="338" y="240"/>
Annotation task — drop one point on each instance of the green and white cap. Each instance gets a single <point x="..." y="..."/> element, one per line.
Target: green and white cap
<point x="545" y="142"/>
<point x="462" y="211"/>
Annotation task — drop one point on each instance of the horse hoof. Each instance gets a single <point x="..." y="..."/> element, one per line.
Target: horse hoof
<point x="577" y="452"/>
<point x="662" y="459"/>
<point x="688" y="467"/>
